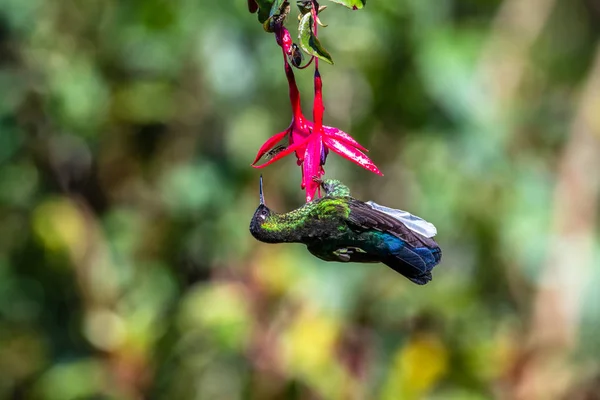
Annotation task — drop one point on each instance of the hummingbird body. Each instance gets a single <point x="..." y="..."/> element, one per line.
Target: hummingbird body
<point x="338" y="227"/>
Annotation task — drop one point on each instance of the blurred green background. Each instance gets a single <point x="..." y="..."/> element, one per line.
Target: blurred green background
<point x="126" y="267"/>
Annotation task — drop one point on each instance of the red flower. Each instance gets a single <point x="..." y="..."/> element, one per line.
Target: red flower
<point x="311" y="141"/>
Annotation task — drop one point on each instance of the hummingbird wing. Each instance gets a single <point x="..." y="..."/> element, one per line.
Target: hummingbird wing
<point x="400" y="248"/>
<point x="365" y="216"/>
<point x="412" y="222"/>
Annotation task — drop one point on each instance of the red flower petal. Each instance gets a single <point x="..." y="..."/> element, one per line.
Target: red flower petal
<point x="312" y="165"/>
<point x="342" y="137"/>
<point x="283" y="153"/>
<point x="269" y="144"/>
<point x="318" y="107"/>
<point x="352" y="154"/>
<point x="292" y="88"/>
<point x="301" y="130"/>
<point x="284" y="39"/>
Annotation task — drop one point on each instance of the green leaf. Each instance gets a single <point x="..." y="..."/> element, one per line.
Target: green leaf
<point x="353" y="4"/>
<point x="277" y="16"/>
<point x="276" y="7"/>
<point x="304" y="6"/>
<point x="309" y="42"/>
<point x="264" y="10"/>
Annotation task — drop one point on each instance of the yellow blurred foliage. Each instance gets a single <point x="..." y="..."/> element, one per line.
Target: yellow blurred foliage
<point x="417" y="367"/>
<point x="308" y="348"/>
<point x="148" y="101"/>
<point x="220" y="309"/>
<point x="60" y="227"/>
<point x="275" y="271"/>
<point x="73" y="380"/>
<point x="491" y="357"/>
<point x="105" y="329"/>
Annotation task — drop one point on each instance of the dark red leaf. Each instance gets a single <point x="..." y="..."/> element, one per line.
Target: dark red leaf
<point x="252" y="6"/>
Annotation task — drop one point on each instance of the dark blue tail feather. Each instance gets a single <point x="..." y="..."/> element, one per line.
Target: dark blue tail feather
<point x="414" y="263"/>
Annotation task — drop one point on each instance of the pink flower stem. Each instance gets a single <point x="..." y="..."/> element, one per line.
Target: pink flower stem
<point x="293" y="89"/>
<point x="308" y="63"/>
<point x="318" y="108"/>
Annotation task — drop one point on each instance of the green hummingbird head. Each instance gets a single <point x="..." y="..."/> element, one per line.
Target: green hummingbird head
<point x="335" y="188"/>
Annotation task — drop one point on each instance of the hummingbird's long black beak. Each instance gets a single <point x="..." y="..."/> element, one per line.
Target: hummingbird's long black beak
<point x="260" y="191"/>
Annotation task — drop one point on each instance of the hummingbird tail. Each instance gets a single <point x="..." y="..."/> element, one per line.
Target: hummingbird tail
<point x="414" y="263"/>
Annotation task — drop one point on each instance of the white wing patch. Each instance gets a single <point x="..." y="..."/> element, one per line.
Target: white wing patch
<point x="412" y="222"/>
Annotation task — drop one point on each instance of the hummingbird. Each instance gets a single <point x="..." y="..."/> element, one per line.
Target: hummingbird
<point x="338" y="227"/>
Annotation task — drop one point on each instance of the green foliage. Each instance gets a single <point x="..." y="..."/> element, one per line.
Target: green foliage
<point x="354" y="4"/>
<point x="309" y="42"/>
<point x="273" y="13"/>
<point x="277" y="15"/>
<point x="126" y="267"/>
<point x="265" y="9"/>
